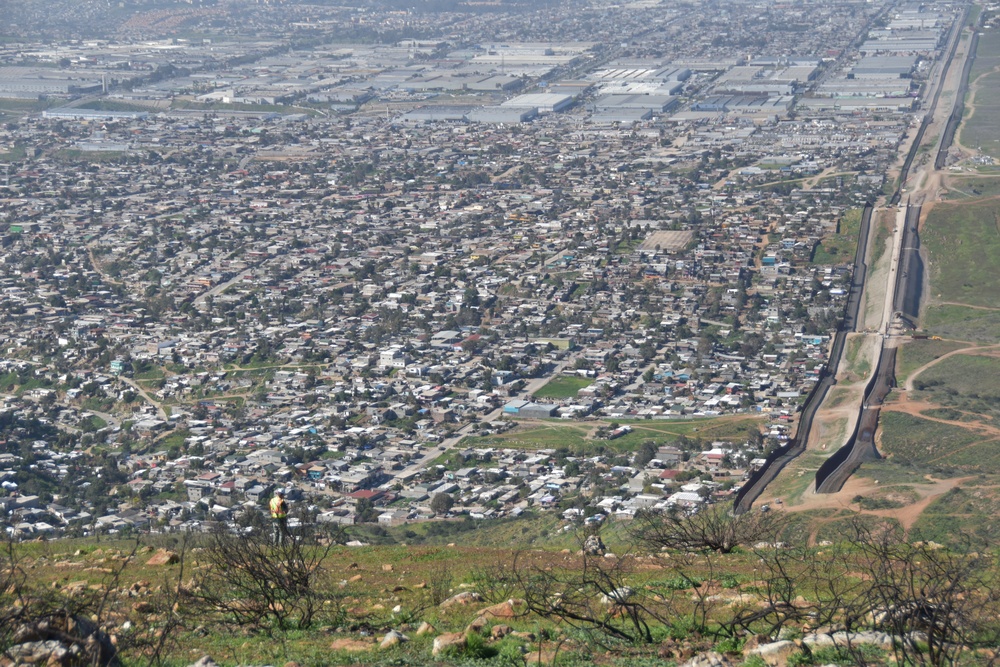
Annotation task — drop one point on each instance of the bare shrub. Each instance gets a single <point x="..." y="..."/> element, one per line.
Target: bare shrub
<point x="266" y="586"/>
<point x="95" y="624"/>
<point x="588" y="592"/>
<point x="937" y="603"/>
<point x="715" y="527"/>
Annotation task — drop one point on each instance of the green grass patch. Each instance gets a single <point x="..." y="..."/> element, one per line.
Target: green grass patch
<point x="175" y="439"/>
<point x="963" y="189"/>
<point x="794" y="480"/>
<point x="667" y="431"/>
<point x="8" y="382"/>
<point x="15" y="154"/>
<point x="98" y="404"/>
<point x="91" y="423"/>
<point x="960" y="512"/>
<point x="942" y="448"/>
<point x="961" y="323"/>
<point x="564" y="386"/>
<point x="987" y="54"/>
<point x="963" y="241"/>
<point x="968" y="374"/>
<point x="893" y="471"/>
<point x="542" y="435"/>
<point x="980" y="130"/>
<point x="948" y="414"/>
<point x="152" y="374"/>
<point x="966" y="382"/>
<point x="887" y="497"/>
<point x="917" y="353"/>
<point x="75" y="155"/>
<point x="837" y="397"/>
<point x="18" y="107"/>
<point x="842" y="524"/>
<point x="555" y="434"/>
<point x="859" y="365"/>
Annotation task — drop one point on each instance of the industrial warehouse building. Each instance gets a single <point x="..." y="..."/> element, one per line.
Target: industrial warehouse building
<point x="544" y="102"/>
<point x="528" y="410"/>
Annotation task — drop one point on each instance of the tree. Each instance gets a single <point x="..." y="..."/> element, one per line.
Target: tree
<point x="442" y="503"/>
<point x="714" y="528"/>
<point x="365" y="511"/>
<point x="647" y="452"/>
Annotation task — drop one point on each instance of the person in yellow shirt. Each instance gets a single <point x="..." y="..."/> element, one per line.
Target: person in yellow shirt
<point x="279" y="517"/>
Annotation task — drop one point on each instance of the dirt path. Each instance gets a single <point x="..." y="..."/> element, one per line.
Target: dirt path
<point x="964" y="305"/>
<point x="965" y="350"/>
<point x="917" y="409"/>
<point x="100" y="269"/>
<point x="855" y="486"/>
<point x="907" y="516"/>
<point x="145" y="395"/>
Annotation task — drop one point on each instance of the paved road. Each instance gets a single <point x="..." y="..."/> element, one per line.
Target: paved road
<point x="145" y="395"/>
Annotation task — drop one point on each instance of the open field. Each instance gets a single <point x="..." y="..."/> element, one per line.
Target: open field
<point x="964" y="382"/>
<point x="964" y="242"/>
<point x="879" y="257"/>
<point x="987" y="54"/>
<point x="938" y="448"/>
<point x="840" y="248"/>
<point x="981" y="130"/>
<point x="563" y="387"/>
<point x="184" y="103"/>
<point x="969" y="375"/>
<point x="964" y="324"/>
<point x="116" y="105"/>
<point x="963" y="188"/>
<point x="796" y="479"/>
<point x="859" y="354"/>
<point x="916" y="353"/>
<point x="973" y="509"/>
<point x="11" y="108"/>
<point x="579" y="436"/>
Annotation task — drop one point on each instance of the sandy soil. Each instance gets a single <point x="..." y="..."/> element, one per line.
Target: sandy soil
<point x="831" y="425"/>
<point x="875" y="288"/>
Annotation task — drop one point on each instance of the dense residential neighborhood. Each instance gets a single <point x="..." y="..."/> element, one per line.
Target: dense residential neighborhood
<point x="354" y="255"/>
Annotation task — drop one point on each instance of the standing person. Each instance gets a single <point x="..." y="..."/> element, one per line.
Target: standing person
<point x="279" y="517"/>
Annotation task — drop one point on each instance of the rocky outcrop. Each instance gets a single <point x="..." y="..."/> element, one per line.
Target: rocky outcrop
<point x="512" y="608"/>
<point x="593" y="546"/>
<point x="163" y="557"/>
<point x="775" y="653"/>
<point x="710" y="659"/>
<point x="425" y="629"/>
<point x="393" y="638"/>
<point x="448" y="640"/>
<point x="60" y="640"/>
<point x="464" y="598"/>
